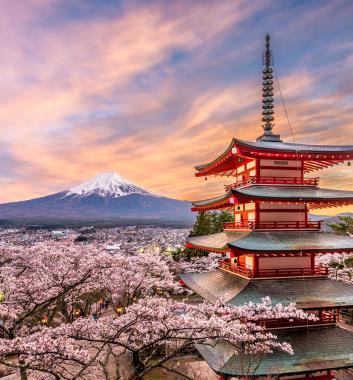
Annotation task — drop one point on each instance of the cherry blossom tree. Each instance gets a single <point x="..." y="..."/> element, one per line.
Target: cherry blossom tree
<point x="44" y="285"/>
<point x="147" y="327"/>
<point x="198" y="264"/>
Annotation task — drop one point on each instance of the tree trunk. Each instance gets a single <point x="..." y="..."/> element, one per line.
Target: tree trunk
<point x="138" y="366"/>
<point x="126" y="366"/>
<point x="23" y="370"/>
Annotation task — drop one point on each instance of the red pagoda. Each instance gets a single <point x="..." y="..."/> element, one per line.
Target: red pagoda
<point x="269" y="249"/>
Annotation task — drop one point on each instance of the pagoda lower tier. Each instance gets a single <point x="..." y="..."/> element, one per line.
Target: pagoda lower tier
<point x="319" y="346"/>
<point x="314" y="197"/>
<point x="259" y="254"/>
<point x="317" y="352"/>
<point x="264" y="243"/>
<point x="308" y="293"/>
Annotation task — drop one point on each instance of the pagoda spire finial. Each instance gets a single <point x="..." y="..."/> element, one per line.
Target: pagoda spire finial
<point x="267" y="95"/>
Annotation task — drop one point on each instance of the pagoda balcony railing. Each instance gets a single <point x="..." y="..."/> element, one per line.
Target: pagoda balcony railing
<point x="325" y="319"/>
<point x="278" y="272"/>
<point x="253" y="180"/>
<point x="275" y="225"/>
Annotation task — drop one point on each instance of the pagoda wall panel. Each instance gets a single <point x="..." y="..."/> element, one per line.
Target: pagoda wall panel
<point x="290" y="216"/>
<point x="283" y="206"/>
<point x="280" y="173"/>
<point x="286" y="212"/>
<point x="280" y="168"/>
<point x="281" y="163"/>
<point x="284" y="262"/>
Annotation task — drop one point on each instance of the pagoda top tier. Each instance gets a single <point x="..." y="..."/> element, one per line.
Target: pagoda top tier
<point x="314" y="157"/>
<point x="270" y="145"/>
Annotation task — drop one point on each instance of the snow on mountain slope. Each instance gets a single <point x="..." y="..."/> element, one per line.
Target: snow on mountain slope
<point x="107" y="185"/>
<point x="106" y="197"/>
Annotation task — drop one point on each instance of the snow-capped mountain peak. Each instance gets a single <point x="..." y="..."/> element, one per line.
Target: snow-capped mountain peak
<point x="106" y="185"/>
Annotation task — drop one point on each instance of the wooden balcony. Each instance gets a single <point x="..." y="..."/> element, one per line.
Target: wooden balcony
<point x="282" y="225"/>
<point x="325" y="319"/>
<point x="253" y="180"/>
<point x="273" y="273"/>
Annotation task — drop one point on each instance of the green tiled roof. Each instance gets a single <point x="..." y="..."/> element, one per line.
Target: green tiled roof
<point x="292" y="241"/>
<point x="213" y="200"/>
<point x="214" y="285"/>
<point x="217" y="241"/>
<point x="295" y="148"/>
<point x="280" y="193"/>
<point x="315" y="349"/>
<point x="307" y="293"/>
<point x="302" y="193"/>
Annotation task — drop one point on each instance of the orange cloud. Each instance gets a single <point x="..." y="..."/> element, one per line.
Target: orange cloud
<point x="102" y="94"/>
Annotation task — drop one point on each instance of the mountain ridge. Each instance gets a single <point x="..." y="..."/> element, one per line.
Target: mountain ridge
<point x="107" y="196"/>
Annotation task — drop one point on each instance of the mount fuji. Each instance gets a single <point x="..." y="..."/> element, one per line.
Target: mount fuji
<point x="107" y="198"/>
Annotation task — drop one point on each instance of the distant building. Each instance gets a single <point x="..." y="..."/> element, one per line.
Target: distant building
<point x="58" y="234"/>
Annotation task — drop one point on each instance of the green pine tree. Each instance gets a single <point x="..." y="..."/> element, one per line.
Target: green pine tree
<point x="202" y="225"/>
<point x="344" y="226"/>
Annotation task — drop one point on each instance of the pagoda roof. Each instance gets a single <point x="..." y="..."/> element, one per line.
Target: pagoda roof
<point x="265" y="242"/>
<point x="317" y="197"/>
<point x="306" y="292"/>
<point x="239" y="151"/>
<point x="291" y="241"/>
<point x="315" y="349"/>
<point x="296" y="193"/>
<point x="280" y="146"/>
<point x="218" y="241"/>
<point x="220" y="201"/>
<point x="215" y="285"/>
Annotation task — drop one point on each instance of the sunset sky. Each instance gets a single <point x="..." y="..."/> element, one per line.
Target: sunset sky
<point x="151" y="88"/>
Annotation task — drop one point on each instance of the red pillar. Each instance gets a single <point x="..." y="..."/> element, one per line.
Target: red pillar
<point x="312" y="262"/>
<point x="256" y="266"/>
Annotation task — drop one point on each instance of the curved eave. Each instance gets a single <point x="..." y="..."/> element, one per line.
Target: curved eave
<point x="217" y="242"/>
<point x="224" y="164"/>
<point x="223" y="201"/>
<point x="224" y="249"/>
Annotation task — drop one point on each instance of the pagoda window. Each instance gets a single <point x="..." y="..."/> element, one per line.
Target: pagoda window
<point x="249" y="206"/>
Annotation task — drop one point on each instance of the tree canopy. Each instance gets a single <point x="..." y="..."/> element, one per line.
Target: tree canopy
<point x="208" y="222"/>
<point x="344" y="226"/>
